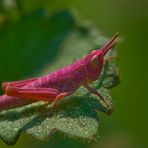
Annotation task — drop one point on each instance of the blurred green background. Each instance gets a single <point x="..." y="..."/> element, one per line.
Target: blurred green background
<point x="127" y="127"/>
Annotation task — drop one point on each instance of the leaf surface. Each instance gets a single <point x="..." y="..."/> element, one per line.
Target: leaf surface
<point x="76" y="116"/>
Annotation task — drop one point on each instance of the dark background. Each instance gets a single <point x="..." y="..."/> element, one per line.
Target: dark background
<point x="127" y="127"/>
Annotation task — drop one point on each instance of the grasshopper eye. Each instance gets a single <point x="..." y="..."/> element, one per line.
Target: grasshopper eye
<point x="95" y="61"/>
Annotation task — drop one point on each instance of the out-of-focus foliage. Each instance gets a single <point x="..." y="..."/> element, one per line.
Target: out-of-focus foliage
<point x="75" y="117"/>
<point x="127" y="125"/>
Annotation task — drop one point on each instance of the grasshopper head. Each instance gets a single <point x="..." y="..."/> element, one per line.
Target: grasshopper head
<point x="94" y="61"/>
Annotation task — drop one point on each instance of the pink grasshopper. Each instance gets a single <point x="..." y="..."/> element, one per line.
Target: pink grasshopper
<point x="64" y="82"/>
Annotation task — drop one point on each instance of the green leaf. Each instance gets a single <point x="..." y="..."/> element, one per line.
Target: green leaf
<point x="76" y="116"/>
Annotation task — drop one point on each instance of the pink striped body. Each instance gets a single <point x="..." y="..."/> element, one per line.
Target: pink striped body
<point x="66" y="79"/>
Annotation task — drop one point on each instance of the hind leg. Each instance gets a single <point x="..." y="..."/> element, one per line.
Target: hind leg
<point x="18" y="83"/>
<point x="40" y="94"/>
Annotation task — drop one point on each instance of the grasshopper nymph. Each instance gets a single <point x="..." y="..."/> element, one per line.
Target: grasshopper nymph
<point x="63" y="82"/>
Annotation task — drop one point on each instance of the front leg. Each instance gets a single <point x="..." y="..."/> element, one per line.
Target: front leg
<point x="92" y="90"/>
